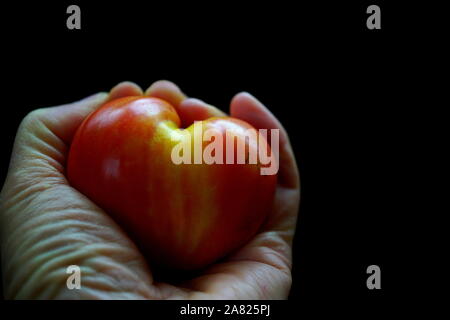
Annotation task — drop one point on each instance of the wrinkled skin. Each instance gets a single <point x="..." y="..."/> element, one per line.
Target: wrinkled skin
<point x="47" y="225"/>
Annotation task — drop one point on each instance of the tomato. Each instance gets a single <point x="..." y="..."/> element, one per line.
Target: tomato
<point x="183" y="216"/>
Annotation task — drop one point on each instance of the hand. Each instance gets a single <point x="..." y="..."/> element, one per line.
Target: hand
<point x="46" y="225"/>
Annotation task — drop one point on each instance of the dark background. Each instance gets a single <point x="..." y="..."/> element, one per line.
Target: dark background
<point x="332" y="83"/>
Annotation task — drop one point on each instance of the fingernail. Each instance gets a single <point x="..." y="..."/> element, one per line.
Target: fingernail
<point x="246" y="93"/>
<point x="195" y="101"/>
<point x="252" y="97"/>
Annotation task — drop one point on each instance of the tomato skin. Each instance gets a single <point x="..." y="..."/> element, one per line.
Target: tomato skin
<point x="184" y="216"/>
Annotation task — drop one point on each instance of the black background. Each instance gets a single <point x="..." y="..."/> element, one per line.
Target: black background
<point x="332" y="83"/>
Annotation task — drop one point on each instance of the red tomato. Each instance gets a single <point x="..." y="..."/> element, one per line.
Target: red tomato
<point x="184" y="216"/>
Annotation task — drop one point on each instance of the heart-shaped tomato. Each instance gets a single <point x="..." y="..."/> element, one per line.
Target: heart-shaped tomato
<point x="184" y="216"/>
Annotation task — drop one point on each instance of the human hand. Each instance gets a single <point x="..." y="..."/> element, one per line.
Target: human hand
<point x="46" y="225"/>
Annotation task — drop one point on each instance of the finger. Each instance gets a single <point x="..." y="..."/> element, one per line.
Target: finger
<point x="41" y="143"/>
<point x="246" y="107"/>
<point x="124" y="89"/>
<point x="192" y="109"/>
<point x="166" y="90"/>
<point x="64" y="120"/>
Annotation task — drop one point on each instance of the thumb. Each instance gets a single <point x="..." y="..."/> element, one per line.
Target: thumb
<point x="192" y="109"/>
<point x="64" y="120"/>
<point x="44" y="135"/>
<point x="42" y="140"/>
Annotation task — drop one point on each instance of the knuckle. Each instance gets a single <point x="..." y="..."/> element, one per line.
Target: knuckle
<point x="33" y="117"/>
<point x="33" y="121"/>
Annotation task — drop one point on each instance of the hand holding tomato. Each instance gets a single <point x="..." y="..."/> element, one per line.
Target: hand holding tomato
<point x="47" y="225"/>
